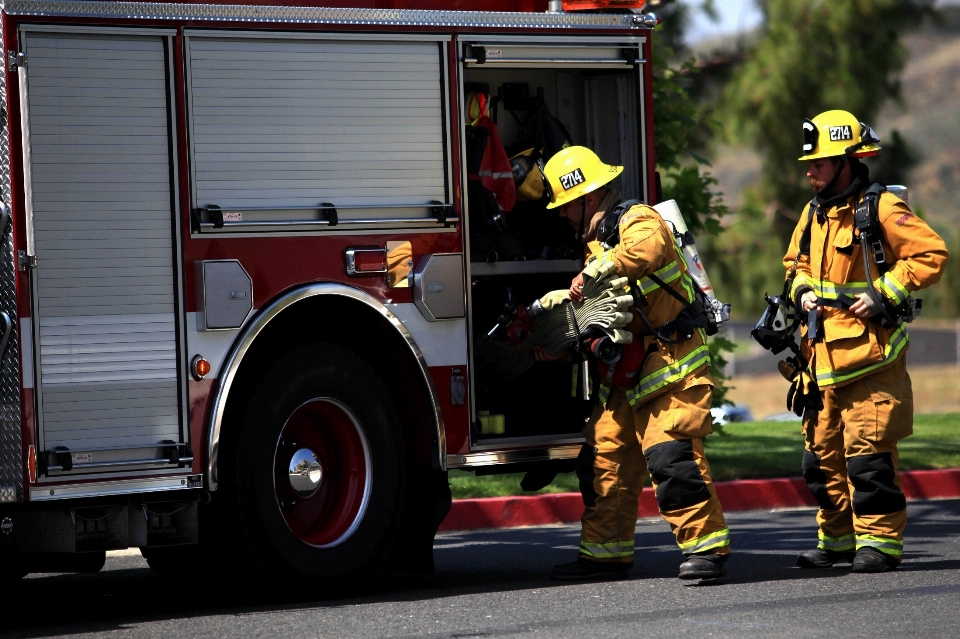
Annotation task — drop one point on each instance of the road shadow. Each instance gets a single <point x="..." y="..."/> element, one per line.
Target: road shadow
<point x="126" y="593"/>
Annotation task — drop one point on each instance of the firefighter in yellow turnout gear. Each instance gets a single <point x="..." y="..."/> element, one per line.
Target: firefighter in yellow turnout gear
<point x="858" y="355"/>
<point x="657" y="423"/>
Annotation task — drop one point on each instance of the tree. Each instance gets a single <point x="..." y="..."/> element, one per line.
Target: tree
<point x="814" y="55"/>
<point x="677" y="122"/>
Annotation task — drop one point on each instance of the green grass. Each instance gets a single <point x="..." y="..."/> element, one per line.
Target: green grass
<point x="753" y="450"/>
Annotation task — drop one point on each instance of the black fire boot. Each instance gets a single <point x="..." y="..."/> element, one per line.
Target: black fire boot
<point x="872" y="560"/>
<point x="586" y="570"/>
<point x="708" y="567"/>
<point x="819" y="558"/>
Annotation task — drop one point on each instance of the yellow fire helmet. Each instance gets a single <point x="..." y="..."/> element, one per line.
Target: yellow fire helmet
<point x="835" y="133"/>
<point x="573" y="172"/>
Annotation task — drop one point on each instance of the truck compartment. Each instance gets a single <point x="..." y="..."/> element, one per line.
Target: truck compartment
<point x="516" y="400"/>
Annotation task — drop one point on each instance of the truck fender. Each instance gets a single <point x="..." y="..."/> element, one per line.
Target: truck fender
<point x="240" y="348"/>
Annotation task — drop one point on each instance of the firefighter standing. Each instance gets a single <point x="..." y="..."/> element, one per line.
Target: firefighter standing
<point x="858" y="355"/>
<point x="660" y="422"/>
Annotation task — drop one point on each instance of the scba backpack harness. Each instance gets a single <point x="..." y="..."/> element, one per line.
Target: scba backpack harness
<point x="695" y="313"/>
<point x="866" y="221"/>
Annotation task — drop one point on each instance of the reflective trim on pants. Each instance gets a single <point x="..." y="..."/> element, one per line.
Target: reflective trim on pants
<point x="611" y="550"/>
<point x="843" y="543"/>
<point x="710" y="541"/>
<point x="886" y="545"/>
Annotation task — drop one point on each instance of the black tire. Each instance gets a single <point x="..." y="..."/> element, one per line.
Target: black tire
<point x="171" y="561"/>
<point x="12" y="568"/>
<point x="426" y="505"/>
<point x="326" y="377"/>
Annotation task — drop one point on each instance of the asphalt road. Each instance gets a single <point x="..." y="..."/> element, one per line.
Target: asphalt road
<point x="493" y="584"/>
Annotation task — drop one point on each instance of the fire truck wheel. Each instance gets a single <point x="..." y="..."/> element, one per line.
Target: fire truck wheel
<point x="321" y="470"/>
<point x="171" y="561"/>
<point x="11" y="567"/>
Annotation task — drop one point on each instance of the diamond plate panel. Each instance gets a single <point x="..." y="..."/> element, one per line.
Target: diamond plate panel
<point x="11" y="441"/>
<point x="316" y="15"/>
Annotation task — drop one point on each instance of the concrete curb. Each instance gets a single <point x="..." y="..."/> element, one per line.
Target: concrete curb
<point x="747" y="494"/>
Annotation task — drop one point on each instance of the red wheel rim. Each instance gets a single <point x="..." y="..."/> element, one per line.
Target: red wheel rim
<point x="332" y="433"/>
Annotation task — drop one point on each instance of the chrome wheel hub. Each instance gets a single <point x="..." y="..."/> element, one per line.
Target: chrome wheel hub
<point x="306" y="473"/>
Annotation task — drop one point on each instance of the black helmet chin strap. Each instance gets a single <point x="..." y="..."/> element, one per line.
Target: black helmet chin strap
<point x="583" y="218"/>
<point x="828" y="189"/>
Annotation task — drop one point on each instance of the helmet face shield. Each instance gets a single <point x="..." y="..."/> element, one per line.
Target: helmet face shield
<point x="868" y="135"/>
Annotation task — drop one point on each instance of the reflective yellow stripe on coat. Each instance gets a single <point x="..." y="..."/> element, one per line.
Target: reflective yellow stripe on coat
<point x="898" y="340"/>
<point x="668" y="274"/>
<point x="669" y="374"/>
<point x="827" y="290"/>
<point x="890" y="286"/>
<point x="824" y="289"/>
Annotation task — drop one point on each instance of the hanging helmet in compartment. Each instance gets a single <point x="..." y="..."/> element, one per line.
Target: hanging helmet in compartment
<point x="526" y="175"/>
<point x="574" y="172"/>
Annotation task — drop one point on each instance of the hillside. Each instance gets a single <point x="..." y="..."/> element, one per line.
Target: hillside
<point x="929" y="120"/>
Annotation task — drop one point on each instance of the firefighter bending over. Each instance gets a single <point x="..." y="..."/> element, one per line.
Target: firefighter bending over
<point x="658" y="420"/>
<point x="856" y="255"/>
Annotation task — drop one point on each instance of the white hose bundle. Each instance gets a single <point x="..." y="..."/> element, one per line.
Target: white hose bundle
<point x="605" y="307"/>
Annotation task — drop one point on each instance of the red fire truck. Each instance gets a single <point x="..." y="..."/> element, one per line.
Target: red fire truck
<point x="244" y="298"/>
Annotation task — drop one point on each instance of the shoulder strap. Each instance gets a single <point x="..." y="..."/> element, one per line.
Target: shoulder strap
<point x="870" y="196"/>
<point x="866" y="219"/>
<point x="609" y="231"/>
<point x="670" y="290"/>
<point x="805" y="236"/>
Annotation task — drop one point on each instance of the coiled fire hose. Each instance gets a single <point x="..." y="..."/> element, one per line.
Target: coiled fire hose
<point x="605" y="307"/>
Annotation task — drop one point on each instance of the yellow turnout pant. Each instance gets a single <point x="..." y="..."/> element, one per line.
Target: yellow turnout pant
<point x="850" y="461"/>
<point x="666" y="436"/>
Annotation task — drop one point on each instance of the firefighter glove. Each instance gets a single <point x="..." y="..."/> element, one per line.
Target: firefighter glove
<point x="554" y="299"/>
<point x="595" y="271"/>
<point x="804" y="394"/>
<point x="787" y="369"/>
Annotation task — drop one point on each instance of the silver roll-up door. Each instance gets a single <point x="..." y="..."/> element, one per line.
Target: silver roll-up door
<point x="297" y="123"/>
<point x="105" y="281"/>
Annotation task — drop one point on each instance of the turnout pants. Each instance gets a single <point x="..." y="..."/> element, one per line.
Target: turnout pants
<point x="850" y="461"/>
<point x="666" y="436"/>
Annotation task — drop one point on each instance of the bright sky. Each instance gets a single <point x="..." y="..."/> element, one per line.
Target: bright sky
<point x="735" y="16"/>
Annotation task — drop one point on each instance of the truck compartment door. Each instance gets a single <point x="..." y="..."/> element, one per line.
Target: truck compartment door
<point x="105" y="285"/>
<point x="292" y="134"/>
